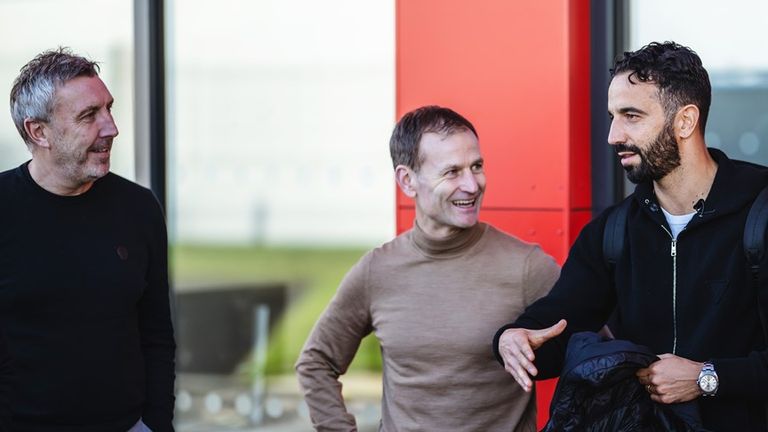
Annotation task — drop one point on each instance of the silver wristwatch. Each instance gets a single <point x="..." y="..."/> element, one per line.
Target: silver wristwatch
<point x="708" y="381"/>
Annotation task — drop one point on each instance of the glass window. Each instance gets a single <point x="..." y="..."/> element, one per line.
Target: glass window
<point x="279" y="178"/>
<point x="107" y="38"/>
<point x="728" y="38"/>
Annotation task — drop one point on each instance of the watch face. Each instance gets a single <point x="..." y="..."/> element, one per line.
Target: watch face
<point x="708" y="383"/>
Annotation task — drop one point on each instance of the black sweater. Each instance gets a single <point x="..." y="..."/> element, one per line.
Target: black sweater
<point x="699" y="304"/>
<point x="5" y="383"/>
<point x="84" y="306"/>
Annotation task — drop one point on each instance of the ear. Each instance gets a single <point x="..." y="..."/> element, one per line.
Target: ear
<point x="687" y="121"/>
<point x="37" y="132"/>
<point x="406" y="179"/>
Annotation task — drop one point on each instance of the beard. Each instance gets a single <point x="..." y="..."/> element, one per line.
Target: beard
<point x="659" y="159"/>
<point x="73" y="163"/>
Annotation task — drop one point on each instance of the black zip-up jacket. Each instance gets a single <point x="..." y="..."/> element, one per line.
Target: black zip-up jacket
<point x="699" y="304"/>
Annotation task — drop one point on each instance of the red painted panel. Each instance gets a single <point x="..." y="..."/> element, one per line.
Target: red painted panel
<point x="544" y="391"/>
<point x="542" y="227"/>
<point x="579" y="183"/>
<point x="405" y="218"/>
<point x="520" y="72"/>
<point x="502" y="64"/>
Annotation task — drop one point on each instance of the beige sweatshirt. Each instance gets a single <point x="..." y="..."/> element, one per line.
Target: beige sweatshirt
<point x="434" y="305"/>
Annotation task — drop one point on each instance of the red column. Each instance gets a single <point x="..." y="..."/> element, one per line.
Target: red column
<point x="519" y="70"/>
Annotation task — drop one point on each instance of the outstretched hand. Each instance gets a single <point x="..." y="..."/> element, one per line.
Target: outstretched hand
<point x="516" y="347"/>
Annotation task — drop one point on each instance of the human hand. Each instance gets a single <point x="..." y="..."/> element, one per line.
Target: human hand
<point x="516" y="347"/>
<point x="672" y="379"/>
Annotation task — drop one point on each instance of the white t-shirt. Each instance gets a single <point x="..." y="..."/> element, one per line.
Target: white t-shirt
<point x="677" y="223"/>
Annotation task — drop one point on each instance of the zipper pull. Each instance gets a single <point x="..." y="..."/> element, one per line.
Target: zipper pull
<point x="674" y="247"/>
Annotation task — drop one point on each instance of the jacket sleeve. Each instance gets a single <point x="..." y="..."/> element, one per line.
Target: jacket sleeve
<point x="747" y="377"/>
<point x="157" y="340"/>
<point x="330" y="348"/>
<point x="583" y="295"/>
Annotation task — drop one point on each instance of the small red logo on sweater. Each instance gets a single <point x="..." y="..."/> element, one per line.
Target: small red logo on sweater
<point x="122" y="252"/>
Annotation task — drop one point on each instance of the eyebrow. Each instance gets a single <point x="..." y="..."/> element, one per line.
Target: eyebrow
<point x="626" y="110"/>
<point x="87" y="110"/>
<point x="456" y="166"/>
<point x="449" y="168"/>
<point x="92" y="108"/>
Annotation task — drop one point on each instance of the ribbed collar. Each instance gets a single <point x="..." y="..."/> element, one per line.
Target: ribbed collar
<point x="449" y="247"/>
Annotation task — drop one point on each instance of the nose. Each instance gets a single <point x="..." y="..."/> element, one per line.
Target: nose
<point x="470" y="182"/>
<point x="616" y="134"/>
<point x="108" y="126"/>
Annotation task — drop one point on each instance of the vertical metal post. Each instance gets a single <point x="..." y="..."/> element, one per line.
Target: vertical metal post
<point x="260" y="347"/>
<point x="609" y="34"/>
<point x="149" y="46"/>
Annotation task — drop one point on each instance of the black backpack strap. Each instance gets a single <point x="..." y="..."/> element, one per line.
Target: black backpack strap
<point x="754" y="245"/>
<point x="614" y="233"/>
<point x="754" y="231"/>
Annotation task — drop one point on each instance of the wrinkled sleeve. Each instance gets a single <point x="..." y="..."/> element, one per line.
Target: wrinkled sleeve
<point x="330" y="348"/>
<point x="583" y="294"/>
<point x="157" y="340"/>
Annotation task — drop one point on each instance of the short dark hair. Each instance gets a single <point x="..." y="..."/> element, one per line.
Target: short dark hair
<point x="404" y="143"/>
<point x="33" y="91"/>
<point x="676" y="70"/>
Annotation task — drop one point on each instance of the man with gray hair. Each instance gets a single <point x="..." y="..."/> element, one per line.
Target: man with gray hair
<point x="83" y="265"/>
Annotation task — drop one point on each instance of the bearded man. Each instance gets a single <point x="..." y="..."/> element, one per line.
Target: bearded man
<point x="682" y="286"/>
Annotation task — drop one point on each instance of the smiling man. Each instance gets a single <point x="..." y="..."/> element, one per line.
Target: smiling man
<point x="83" y="266"/>
<point x="682" y="286"/>
<point x="431" y="296"/>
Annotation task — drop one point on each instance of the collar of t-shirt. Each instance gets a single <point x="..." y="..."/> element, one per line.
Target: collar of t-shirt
<point x="677" y="223"/>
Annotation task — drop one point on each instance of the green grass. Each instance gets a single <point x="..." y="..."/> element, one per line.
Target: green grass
<point x="315" y="273"/>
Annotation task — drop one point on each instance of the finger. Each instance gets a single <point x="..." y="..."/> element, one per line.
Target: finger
<point x="644" y="376"/>
<point x="524" y="378"/>
<point x="512" y="363"/>
<point x="520" y="376"/>
<point x="665" y="356"/>
<point x="525" y="361"/>
<point x="521" y="349"/>
<point x="527" y="351"/>
<point x="514" y="374"/>
<point x="538" y="337"/>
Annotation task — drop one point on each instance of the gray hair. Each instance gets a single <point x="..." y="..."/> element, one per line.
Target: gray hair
<point x="33" y="92"/>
